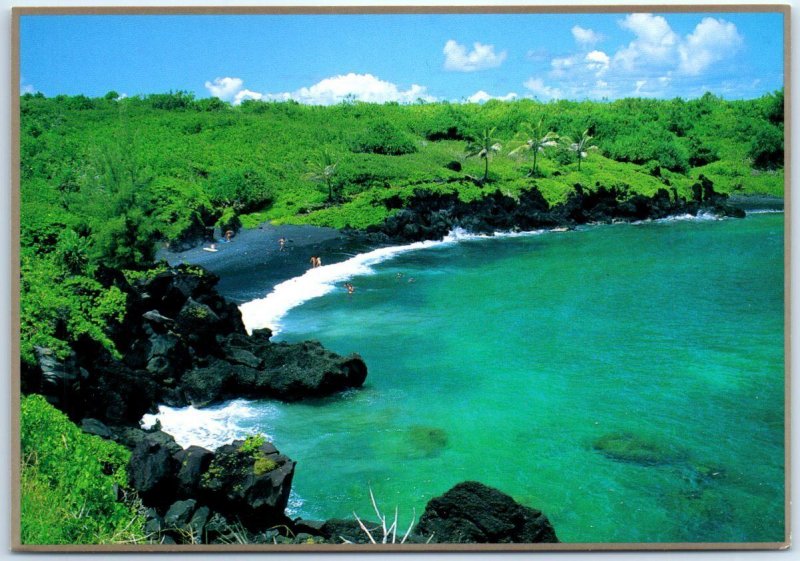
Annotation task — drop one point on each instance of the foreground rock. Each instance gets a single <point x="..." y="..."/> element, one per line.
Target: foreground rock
<point x="182" y="343"/>
<point x="471" y="512"/>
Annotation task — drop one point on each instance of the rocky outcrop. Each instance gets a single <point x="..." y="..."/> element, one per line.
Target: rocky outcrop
<point x="431" y="215"/>
<point x="181" y="344"/>
<point x="202" y="495"/>
<point x="471" y="512"/>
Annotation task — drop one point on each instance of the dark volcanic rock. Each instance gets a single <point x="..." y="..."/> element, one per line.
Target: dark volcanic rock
<point x="192" y="462"/>
<point x="179" y="514"/>
<point x="432" y="215"/>
<point x="471" y="512"/>
<point x="250" y="483"/>
<point x="152" y="467"/>
<point x="295" y="371"/>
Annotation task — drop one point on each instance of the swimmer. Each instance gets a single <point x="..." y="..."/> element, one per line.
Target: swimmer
<point x="282" y="243"/>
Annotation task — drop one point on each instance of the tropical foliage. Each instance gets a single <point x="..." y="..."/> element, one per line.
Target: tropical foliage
<point x="104" y="180"/>
<point x="73" y="484"/>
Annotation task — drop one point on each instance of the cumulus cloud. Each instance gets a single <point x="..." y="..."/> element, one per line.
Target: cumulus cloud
<point x="655" y="41"/>
<point x="711" y="41"/>
<point x="361" y="87"/>
<point x="597" y="62"/>
<point x="224" y="88"/>
<point x="481" y="57"/>
<point x="539" y="89"/>
<point x="586" y="37"/>
<point x="482" y="97"/>
<point x="657" y="62"/>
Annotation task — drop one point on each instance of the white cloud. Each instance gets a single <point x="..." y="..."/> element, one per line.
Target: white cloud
<point x="540" y="90"/>
<point x="224" y="88"/>
<point x="657" y="62"/>
<point x="243" y="95"/>
<point x="711" y="41"/>
<point x="586" y="37"/>
<point x="480" y="57"/>
<point x="562" y="65"/>
<point x="362" y="87"/>
<point x="482" y="96"/>
<point x="597" y="62"/>
<point x="655" y="41"/>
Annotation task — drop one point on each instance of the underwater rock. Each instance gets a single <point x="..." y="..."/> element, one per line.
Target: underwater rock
<point x="425" y="441"/>
<point x="632" y="448"/>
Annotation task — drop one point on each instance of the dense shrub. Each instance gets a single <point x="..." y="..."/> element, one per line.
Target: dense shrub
<point x="766" y="148"/>
<point x="244" y="189"/>
<point x="382" y="137"/>
<point x="72" y="482"/>
<point x="642" y="146"/>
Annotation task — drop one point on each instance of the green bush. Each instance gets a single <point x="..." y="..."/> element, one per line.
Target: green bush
<point x="766" y="148"/>
<point x="71" y="481"/>
<point x="244" y="189"/>
<point x="382" y="137"/>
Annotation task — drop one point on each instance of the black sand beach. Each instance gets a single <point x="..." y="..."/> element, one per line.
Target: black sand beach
<point x="253" y="262"/>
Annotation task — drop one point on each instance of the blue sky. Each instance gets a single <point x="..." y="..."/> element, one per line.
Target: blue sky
<point x="323" y="58"/>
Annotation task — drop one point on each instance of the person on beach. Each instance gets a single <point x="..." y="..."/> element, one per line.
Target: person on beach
<point x="315" y="262"/>
<point x="319" y="262"/>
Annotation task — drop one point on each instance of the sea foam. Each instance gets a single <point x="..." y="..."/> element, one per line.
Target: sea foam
<point x="319" y="281"/>
<point x="209" y="427"/>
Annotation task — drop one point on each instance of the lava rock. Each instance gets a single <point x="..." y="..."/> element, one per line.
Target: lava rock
<point x="471" y="512"/>
<point x="179" y="514"/>
<point x="192" y="462"/>
<point x="251" y="483"/>
<point x="152" y="467"/>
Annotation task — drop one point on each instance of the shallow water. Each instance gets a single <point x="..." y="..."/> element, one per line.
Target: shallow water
<point x="627" y="380"/>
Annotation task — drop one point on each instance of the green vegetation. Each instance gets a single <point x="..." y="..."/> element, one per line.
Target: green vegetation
<point x="71" y="482"/>
<point x="106" y="179"/>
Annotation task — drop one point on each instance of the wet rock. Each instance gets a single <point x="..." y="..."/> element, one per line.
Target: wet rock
<point x="471" y="512"/>
<point x="295" y="371"/>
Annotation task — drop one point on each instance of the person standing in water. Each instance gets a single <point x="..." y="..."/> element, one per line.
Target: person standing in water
<point x="282" y="243"/>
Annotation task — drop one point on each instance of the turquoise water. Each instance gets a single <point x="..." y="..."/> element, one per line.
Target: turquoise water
<point x="627" y="380"/>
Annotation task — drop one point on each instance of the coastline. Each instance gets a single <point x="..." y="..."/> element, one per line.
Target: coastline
<point x="254" y="264"/>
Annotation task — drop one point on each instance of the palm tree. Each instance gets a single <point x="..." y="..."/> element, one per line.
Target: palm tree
<point x="534" y="139"/>
<point x="482" y="147"/>
<point x="322" y="170"/>
<point x="581" y="147"/>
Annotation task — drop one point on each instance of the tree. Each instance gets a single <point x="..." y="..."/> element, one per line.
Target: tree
<point x="483" y="147"/>
<point x="322" y="170"/>
<point x="581" y="147"/>
<point x="534" y="139"/>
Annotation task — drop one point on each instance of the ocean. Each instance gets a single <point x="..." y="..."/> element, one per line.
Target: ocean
<point x="626" y="379"/>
